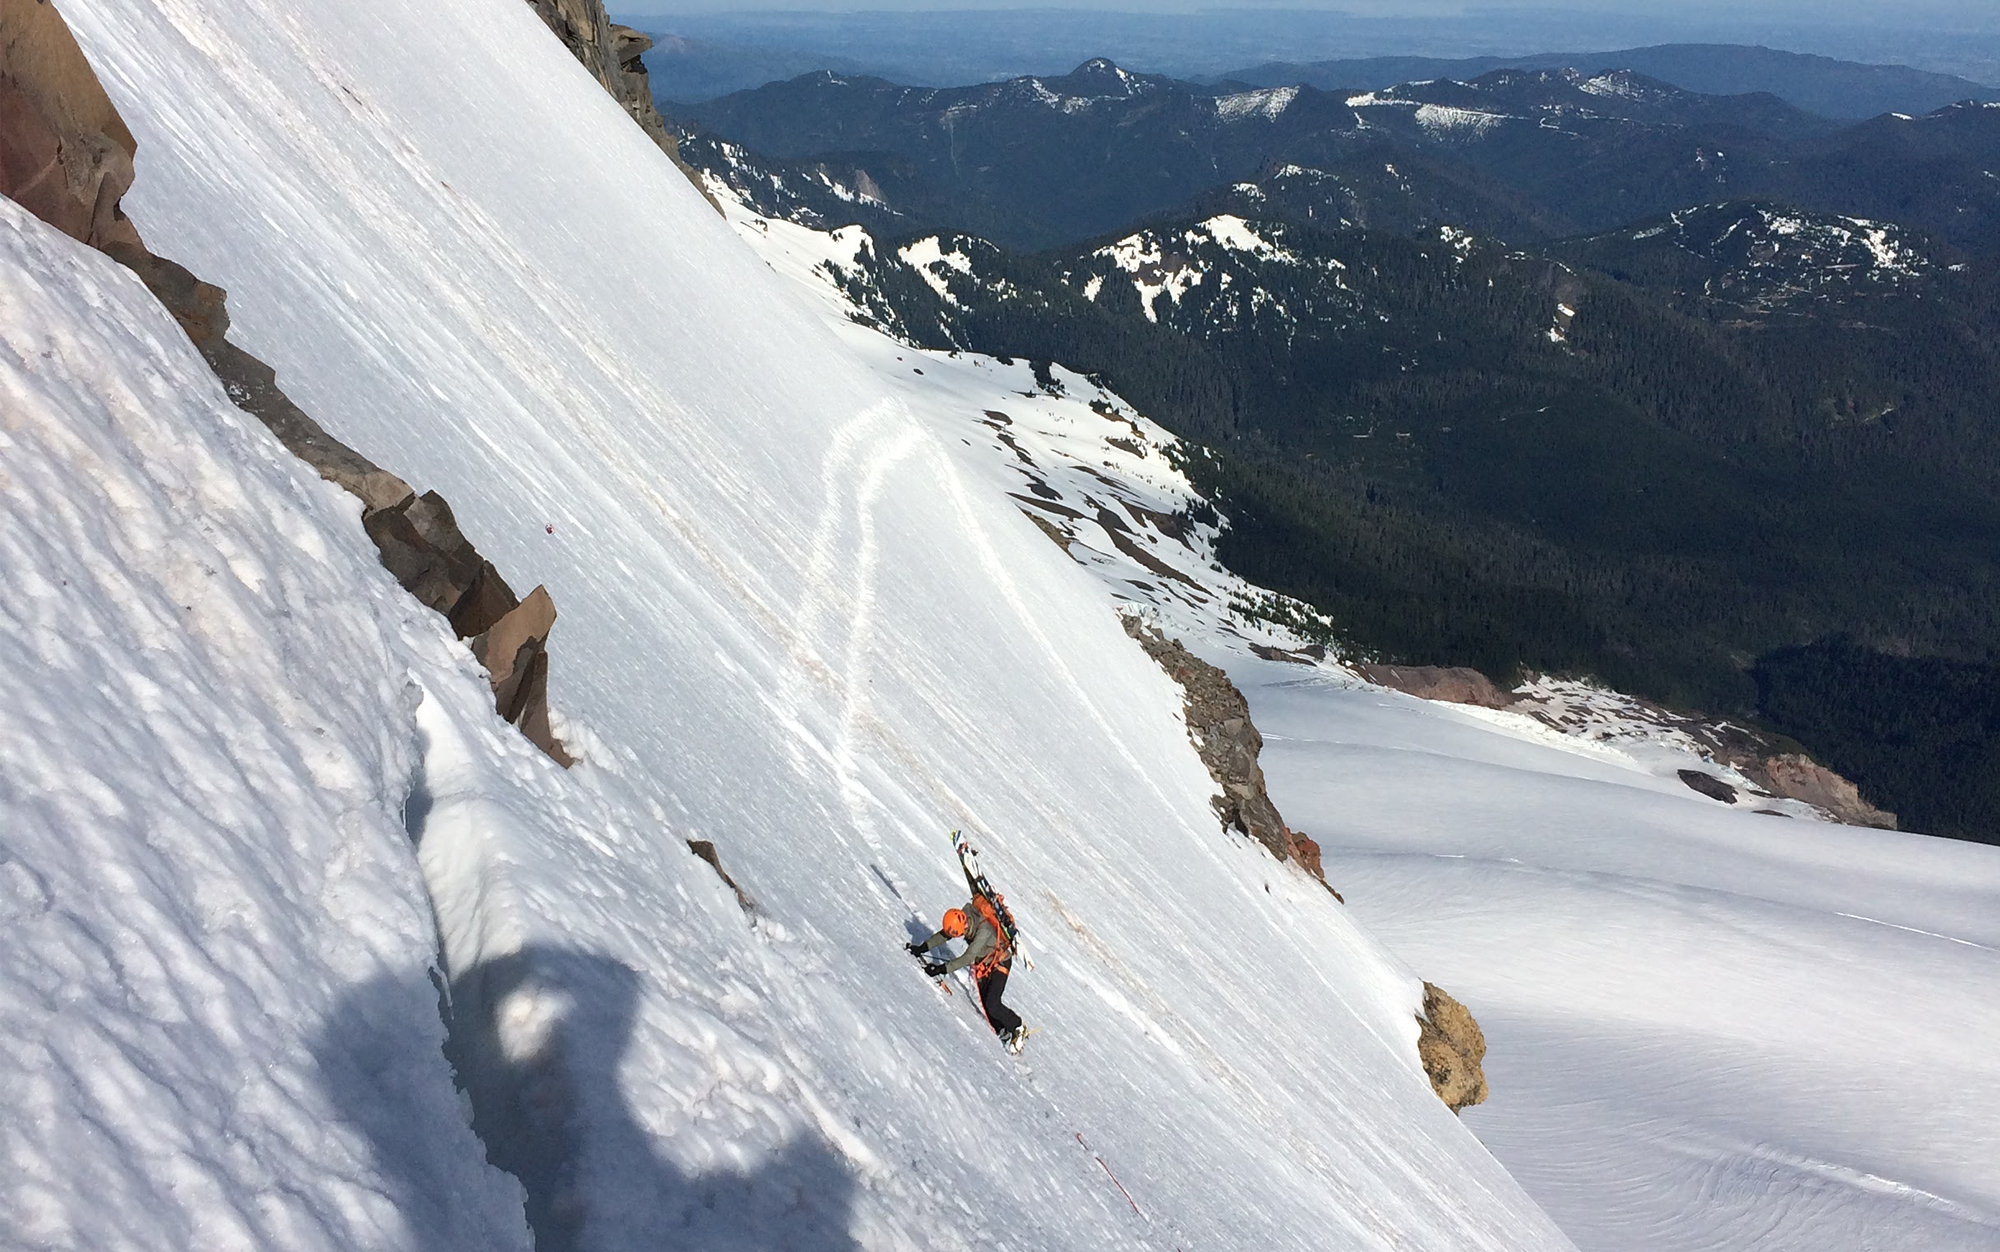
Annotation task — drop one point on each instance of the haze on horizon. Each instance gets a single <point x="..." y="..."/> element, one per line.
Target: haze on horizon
<point x="1973" y="15"/>
<point x="720" y="45"/>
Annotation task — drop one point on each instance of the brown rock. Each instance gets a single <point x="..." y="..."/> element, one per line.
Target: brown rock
<point x="199" y="307"/>
<point x="419" y="567"/>
<point x="1218" y="721"/>
<point x="706" y="851"/>
<point x="253" y="386"/>
<point x="528" y="623"/>
<point x="65" y="154"/>
<point x="1457" y="685"/>
<point x="1050" y="529"/>
<point x="1306" y="852"/>
<point x="515" y="653"/>
<point x="483" y="604"/>
<point x="1452" y="1049"/>
<point x="1798" y="777"/>
<point x="529" y="708"/>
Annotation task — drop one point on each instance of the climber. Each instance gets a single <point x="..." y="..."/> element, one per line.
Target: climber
<point x="988" y="953"/>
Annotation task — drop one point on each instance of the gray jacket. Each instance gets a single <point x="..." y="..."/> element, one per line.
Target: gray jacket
<point x="980" y="940"/>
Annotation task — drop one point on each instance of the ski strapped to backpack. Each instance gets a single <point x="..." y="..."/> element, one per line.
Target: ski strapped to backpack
<point x="991" y="905"/>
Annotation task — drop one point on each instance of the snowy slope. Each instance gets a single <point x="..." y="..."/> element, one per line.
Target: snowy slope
<point x="1709" y="1027"/>
<point x="215" y="988"/>
<point x="796" y="620"/>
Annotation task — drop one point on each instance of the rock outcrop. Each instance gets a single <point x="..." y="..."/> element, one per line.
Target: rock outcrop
<point x="1455" y="685"/>
<point x="67" y="157"/>
<point x="1453" y="1050"/>
<point x="1709" y="785"/>
<point x="65" y="154"/>
<point x="1449" y="1042"/>
<point x="1798" y="777"/>
<point x="614" y="56"/>
<point x="706" y="851"/>
<point x="1218" y="722"/>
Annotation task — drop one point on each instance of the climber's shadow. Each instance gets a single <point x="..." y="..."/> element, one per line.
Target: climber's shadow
<point x="547" y="1102"/>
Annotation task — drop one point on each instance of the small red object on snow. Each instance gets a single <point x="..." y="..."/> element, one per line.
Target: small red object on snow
<point x="550" y="528"/>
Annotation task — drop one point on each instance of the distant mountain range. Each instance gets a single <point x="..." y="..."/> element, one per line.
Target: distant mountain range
<point x="1817" y="84"/>
<point x="1590" y="374"/>
<point x="1525" y="155"/>
<point x="703" y="55"/>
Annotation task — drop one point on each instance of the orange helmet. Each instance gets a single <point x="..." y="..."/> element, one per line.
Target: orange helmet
<point x="954" y="923"/>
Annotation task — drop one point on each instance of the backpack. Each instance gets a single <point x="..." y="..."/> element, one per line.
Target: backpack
<point x="994" y="909"/>
<point x="990" y="905"/>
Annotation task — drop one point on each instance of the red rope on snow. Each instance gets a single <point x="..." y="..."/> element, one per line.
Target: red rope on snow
<point x="1108" y="1174"/>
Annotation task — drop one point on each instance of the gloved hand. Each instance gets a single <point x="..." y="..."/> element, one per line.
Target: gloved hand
<point x="934" y="968"/>
<point x="915" y="949"/>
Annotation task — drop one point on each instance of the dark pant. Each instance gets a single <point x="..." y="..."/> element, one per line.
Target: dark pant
<point x="998" y="1015"/>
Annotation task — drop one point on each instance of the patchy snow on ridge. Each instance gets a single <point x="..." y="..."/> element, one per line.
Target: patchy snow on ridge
<point x="1233" y="232"/>
<point x="927" y="257"/>
<point x="1155" y="272"/>
<point x="1268" y="102"/>
<point x="1622" y="84"/>
<point x="1443" y="119"/>
<point x="1373" y="99"/>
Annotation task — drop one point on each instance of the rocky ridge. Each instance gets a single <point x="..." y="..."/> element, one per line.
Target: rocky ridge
<point x="67" y="157"/>
<point x="613" y="55"/>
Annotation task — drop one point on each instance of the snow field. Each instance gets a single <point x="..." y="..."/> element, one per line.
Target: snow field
<point x="1707" y="1028"/>
<point x="796" y="620"/>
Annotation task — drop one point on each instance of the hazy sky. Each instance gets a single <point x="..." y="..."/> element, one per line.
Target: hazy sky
<point x="1970" y="14"/>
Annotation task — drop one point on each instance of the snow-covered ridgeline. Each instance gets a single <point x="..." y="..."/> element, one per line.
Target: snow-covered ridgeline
<point x="795" y="622"/>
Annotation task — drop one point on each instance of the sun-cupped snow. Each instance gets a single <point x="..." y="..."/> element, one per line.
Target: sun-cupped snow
<point x="218" y="998"/>
<point x="1711" y="1025"/>
<point x="799" y="620"/>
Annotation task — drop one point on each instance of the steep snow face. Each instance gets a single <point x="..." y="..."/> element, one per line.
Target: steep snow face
<point x="795" y="621"/>
<point x="217" y="1017"/>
